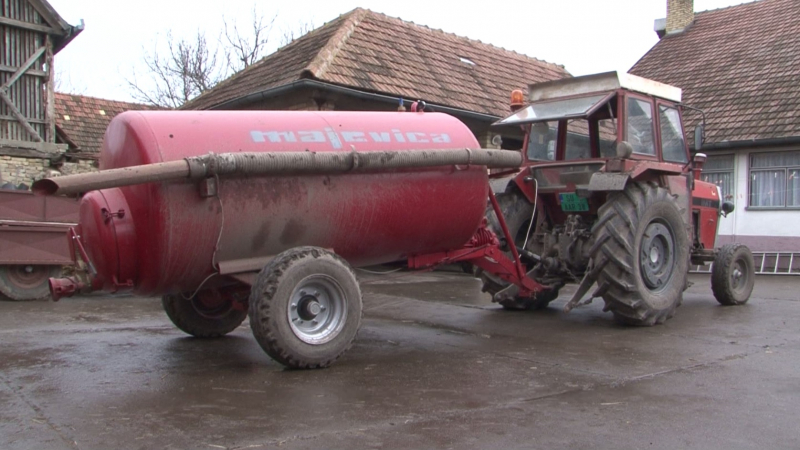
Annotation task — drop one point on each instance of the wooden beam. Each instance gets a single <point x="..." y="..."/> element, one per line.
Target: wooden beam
<point x="30" y="26"/>
<point x="49" y="14"/>
<point x="23" y="149"/>
<point x="50" y="93"/>
<point x="21" y="71"/>
<point x="32" y="72"/>
<point x="14" y="119"/>
<point x="20" y="118"/>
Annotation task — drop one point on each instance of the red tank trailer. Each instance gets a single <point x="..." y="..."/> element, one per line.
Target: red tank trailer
<point x="365" y="188"/>
<point x="230" y="214"/>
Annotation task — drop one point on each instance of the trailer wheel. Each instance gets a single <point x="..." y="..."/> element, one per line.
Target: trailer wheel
<point x="209" y="314"/>
<point x="642" y="245"/>
<point x="733" y="275"/>
<point x="27" y="282"/>
<point x="305" y="308"/>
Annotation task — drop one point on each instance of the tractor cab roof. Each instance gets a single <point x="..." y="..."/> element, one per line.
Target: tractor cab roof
<point x="578" y="97"/>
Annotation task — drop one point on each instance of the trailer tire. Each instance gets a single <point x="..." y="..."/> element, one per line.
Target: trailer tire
<point x="26" y="282"/>
<point x="201" y="319"/>
<point x="733" y="275"/>
<point x="642" y="251"/>
<point x="306" y="307"/>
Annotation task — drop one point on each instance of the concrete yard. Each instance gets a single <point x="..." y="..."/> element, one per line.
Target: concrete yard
<point x="434" y="366"/>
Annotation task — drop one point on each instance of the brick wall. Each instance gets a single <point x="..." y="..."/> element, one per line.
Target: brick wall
<point x="18" y="170"/>
<point x="680" y="14"/>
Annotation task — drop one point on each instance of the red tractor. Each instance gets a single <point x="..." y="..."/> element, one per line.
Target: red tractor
<point x="610" y="195"/>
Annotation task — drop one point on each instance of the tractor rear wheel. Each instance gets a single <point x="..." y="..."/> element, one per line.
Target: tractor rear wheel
<point x="305" y="308"/>
<point x="27" y="282"/>
<point x="733" y="275"/>
<point x="642" y="251"/>
<point x="517" y="211"/>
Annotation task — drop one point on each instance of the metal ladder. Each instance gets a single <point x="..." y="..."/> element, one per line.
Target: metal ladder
<point x="767" y="263"/>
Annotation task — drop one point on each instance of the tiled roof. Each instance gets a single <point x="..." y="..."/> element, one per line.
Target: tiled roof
<point x="740" y="65"/>
<point x="372" y="52"/>
<point x="84" y="119"/>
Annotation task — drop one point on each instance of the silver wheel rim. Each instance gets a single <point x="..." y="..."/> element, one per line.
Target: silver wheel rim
<point x="657" y="258"/>
<point x="738" y="277"/>
<point x="317" y="309"/>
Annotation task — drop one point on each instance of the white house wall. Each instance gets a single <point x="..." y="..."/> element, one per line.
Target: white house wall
<point x="761" y="230"/>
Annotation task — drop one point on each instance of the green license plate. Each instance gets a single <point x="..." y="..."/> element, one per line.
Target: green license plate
<point x="572" y="203"/>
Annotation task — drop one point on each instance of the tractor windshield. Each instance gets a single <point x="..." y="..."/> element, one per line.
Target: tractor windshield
<point x="556" y="109"/>
<point x="587" y="124"/>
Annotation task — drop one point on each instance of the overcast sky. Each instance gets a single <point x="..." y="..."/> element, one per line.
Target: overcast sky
<point x="586" y="36"/>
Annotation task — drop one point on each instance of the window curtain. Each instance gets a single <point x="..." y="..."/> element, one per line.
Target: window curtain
<point x="767" y="188"/>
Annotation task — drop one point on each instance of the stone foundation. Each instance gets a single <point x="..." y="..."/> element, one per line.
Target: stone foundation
<point x="17" y="170"/>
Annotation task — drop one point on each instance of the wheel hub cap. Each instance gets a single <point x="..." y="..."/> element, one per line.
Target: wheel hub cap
<point x="317" y="309"/>
<point x="657" y="255"/>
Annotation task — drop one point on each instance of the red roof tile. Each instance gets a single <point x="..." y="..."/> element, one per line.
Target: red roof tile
<point x="376" y="53"/>
<point x="84" y="119"/>
<point x="741" y="65"/>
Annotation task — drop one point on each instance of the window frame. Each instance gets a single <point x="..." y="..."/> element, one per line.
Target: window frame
<point x="785" y="168"/>
<point x="660" y="144"/>
<point x="732" y="171"/>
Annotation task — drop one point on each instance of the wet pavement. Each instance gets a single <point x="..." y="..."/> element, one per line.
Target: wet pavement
<point x="434" y="366"/>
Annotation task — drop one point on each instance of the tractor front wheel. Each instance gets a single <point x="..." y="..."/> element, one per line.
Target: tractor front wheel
<point x="733" y="275"/>
<point x="517" y="212"/>
<point x="642" y="251"/>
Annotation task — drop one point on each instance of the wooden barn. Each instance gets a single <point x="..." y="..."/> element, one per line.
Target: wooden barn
<point x="32" y="33"/>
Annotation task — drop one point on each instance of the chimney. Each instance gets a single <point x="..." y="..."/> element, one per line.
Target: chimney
<point x="680" y="14"/>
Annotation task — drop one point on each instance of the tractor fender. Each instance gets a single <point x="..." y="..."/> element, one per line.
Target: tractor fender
<point x="618" y="172"/>
<point x="605" y="181"/>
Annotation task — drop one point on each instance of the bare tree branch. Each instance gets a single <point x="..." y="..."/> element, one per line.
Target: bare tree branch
<point x="245" y="50"/>
<point x="179" y="70"/>
<point x="187" y="69"/>
<point x="290" y="34"/>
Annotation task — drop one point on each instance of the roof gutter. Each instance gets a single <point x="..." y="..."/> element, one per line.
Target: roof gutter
<point x="70" y="33"/>
<point x="773" y="142"/>
<point x="336" y="89"/>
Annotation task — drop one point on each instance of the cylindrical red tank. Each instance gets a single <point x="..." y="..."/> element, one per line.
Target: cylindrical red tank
<point x="166" y="237"/>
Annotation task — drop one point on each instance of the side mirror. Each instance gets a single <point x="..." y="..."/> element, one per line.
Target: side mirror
<point x="727" y="208"/>
<point x="698" y="137"/>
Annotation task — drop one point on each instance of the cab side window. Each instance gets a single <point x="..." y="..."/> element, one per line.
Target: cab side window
<point x="673" y="147"/>
<point x="640" y="126"/>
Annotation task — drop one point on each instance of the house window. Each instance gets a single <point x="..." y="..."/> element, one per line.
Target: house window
<point x="718" y="169"/>
<point x="775" y="179"/>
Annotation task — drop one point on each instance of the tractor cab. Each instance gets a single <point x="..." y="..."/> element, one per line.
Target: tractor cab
<point x="589" y="136"/>
<point x="608" y="115"/>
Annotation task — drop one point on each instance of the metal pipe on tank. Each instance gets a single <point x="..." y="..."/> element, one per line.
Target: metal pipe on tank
<point x="274" y="163"/>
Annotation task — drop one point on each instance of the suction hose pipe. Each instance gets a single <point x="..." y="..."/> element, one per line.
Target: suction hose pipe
<point x="274" y="163"/>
